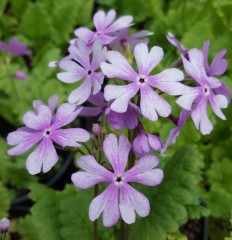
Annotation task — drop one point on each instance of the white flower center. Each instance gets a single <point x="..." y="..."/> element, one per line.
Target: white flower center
<point x="47" y="132"/>
<point x="118" y="180"/>
<point x="141" y="79"/>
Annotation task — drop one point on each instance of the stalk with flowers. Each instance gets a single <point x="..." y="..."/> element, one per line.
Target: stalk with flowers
<point x="115" y="80"/>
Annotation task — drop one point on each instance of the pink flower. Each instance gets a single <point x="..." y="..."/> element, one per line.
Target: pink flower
<point x="82" y="65"/>
<point x="15" y="48"/>
<point x="195" y="99"/>
<point x="151" y="103"/>
<point x="105" y="27"/>
<point x="43" y="127"/>
<point x="20" y="75"/>
<point x="119" y="198"/>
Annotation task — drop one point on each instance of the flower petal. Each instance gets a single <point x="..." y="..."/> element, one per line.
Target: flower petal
<point x="44" y="156"/>
<point x="23" y="140"/>
<point x="99" y="19"/>
<point x="189" y="96"/>
<point x="106" y="202"/>
<point x="218" y="65"/>
<point x="122" y="22"/>
<point x="82" y="93"/>
<point x="38" y="121"/>
<point x="152" y="104"/>
<point x="138" y="201"/>
<point x="122" y="96"/>
<point x="97" y="79"/>
<point x="168" y="81"/>
<point x="84" y="33"/>
<point x="217" y="102"/>
<point x="70" y="137"/>
<point x="65" y="114"/>
<point x="200" y="117"/>
<point x="119" y="67"/>
<point x="146" y="62"/>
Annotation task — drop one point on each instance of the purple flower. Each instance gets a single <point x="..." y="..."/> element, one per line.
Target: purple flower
<point x="15" y="48"/>
<point x="83" y="66"/>
<point x="173" y="134"/>
<point x="118" y="121"/>
<point x="151" y="103"/>
<point x="20" y="75"/>
<point x="119" y="198"/>
<point x="105" y="27"/>
<point x="195" y="99"/>
<point x="123" y="38"/>
<point x="144" y="143"/>
<point x="96" y="129"/>
<point x="42" y="128"/>
<point x="4" y="225"/>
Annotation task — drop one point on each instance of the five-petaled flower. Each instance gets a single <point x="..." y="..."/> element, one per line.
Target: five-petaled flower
<point x="43" y="126"/>
<point x="81" y="65"/>
<point x="195" y="99"/>
<point x="151" y="103"/>
<point x="105" y="28"/>
<point x="119" y="198"/>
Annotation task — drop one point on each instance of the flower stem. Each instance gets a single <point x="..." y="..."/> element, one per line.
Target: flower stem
<point x="95" y="223"/>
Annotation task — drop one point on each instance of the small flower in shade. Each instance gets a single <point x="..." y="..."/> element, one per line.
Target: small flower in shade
<point x="105" y="27"/>
<point x="173" y="134"/>
<point x="20" y="75"/>
<point x="144" y="143"/>
<point x="119" y="198"/>
<point x="15" y="48"/>
<point x="195" y="99"/>
<point x="118" y="121"/>
<point x="176" y="43"/>
<point x="42" y="127"/>
<point x="123" y="38"/>
<point x="4" y="225"/>
<point x="96" y="129"/>
<point x="151" y="103"/>
<point x="83" y="66"/>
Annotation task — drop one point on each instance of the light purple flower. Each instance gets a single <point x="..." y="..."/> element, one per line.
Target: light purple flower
<point x="4" y="225"/>
<point x="42" y="128"/>
<point x="151" y="103"/>
<point x="118" y="121"/>
<point x="119" y="198"/>
<point x="173" y="134"/>
<point x="123" y="38"/>
<point x="20" y="75"/>
<point x="195" y="99"/>
<point x="144" y="143"/>
<point x="15" y="48"/>
<point x="105" y="27"/>
<point x="82" y="65"/>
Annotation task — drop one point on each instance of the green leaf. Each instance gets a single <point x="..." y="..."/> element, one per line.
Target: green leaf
<point x="35" y="22"/>
<point x="4" y="201"/>
<point x="175" y="199"/>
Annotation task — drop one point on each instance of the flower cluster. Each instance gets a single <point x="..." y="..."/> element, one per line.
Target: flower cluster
<point x="120" y="93"/>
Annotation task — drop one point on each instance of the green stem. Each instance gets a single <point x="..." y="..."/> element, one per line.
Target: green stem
<point x="87" y="148"/>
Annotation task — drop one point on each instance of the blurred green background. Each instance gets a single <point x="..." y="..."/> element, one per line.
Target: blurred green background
<point x="202" y="170"/>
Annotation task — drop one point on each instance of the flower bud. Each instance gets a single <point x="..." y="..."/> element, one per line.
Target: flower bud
<point x="4" y="225"/>
<point x="144" y="143"/>
<point x="96" y="129"/>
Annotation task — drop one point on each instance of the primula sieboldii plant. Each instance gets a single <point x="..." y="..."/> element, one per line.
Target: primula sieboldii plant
<point x="117" y="80"/>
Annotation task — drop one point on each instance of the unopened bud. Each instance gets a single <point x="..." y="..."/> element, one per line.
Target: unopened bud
<point x="96" y="129"/>
<point x="20" y="75"/>
<point x="4" y="225"/>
